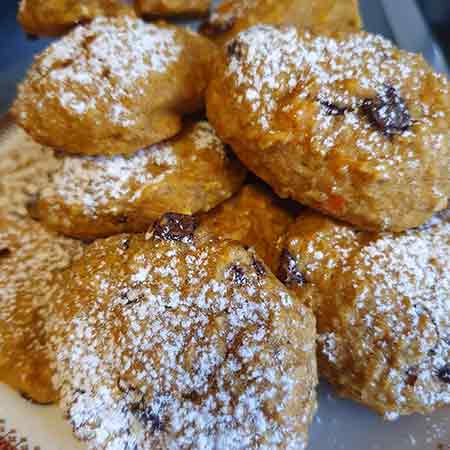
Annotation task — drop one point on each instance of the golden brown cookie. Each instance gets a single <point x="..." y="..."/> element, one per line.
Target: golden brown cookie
<point x="114" y="86"/>
<point x="382" y="306"/>
<point x="181" y="340"/>
<point x="164" y="8"/>
<point x="232" y="16"/>
<point x="29" y="256"/>
<point x="255" y="217"/>
<point x="97" y="196"/>
<point x="55" y="17"/>
<point x="348" y="125"/>
<point x="24" y="168"/>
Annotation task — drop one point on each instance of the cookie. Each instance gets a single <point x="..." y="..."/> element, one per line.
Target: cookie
<point x="114" y="86"/>
<point x="55" y="17"/>
<point x="233" y="16"/>
<point x="178" y="340"/>
<point x="381" y="302"/>
<point x="255" y="217"/>
<point x="96" y="196"/>
<point x="24" y="169"/>
<point x="349" y="125"/>
<point x="164" y="8"/>
<point x="29" y="256"/>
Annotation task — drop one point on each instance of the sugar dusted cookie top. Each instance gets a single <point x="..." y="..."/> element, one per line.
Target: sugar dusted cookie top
<point x="180" y="340"/>
<point x="347" y="124"/>
<point x="97" y="196"/>
<point x="99" y="89"/>
<point x="29" y="257"/>
<point x="382" y="307"/>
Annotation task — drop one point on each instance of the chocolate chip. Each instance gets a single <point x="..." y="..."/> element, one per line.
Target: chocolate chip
<point x="175" y="227"/>
<point x="214" y="28"/>
<point x="4" y="252"/>
<point x="237" y="274"/>
<point x="387" y="112"/>
<point x="147" y="417"/>
<point x="288" y="271"/>
<point x="235" y="48"/>
<point x="444" y="373"/>
<point x="411" y="376"/>
<point x="31" y="37"/>
<point x="259" y="267"/>
<point x="332" y="109"/>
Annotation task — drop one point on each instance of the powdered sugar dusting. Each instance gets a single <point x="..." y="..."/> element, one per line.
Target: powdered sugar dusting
<point x="397" y="313"/>
<point x="99" y="185"/>
<point x="277" y="69"/>
<point x="24" y="169"/>
<point x="107" y="59"/>
<point x="172" y="345"/>
<point x="99" y="181"/>
<point x="29" y="256"/>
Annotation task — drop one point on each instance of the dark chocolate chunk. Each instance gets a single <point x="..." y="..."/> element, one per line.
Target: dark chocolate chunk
<point x="388" y="112"/>
<point x="175" y="227"/>
<point x="4" y="251"/>
<point x="148" y="418"/>
<point x="444" y="373"/>
<point x="259" y="267"/>
<point x="235" y="48"/>
<point x="288" y="271"/>
<point x="237" y="274"/>
<point x="332" y="109"/>
<point x="411" y="376"/>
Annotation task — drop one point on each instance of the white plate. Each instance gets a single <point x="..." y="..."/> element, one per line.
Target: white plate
<point x="338" y="425"/>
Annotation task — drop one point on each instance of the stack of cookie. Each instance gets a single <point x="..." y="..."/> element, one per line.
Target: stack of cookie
<point x="170" y="329"/>
<point x="357" y="129"/>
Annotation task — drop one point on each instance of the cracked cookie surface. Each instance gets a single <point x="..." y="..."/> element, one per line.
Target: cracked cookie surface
<point x="349" y="125"/>
<point x="381" y="302"/>
<point x="98" y="196"/>
<point x="114" y="86"/>
<point x="29" y="257"/>
<point x="176" y="340"/>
